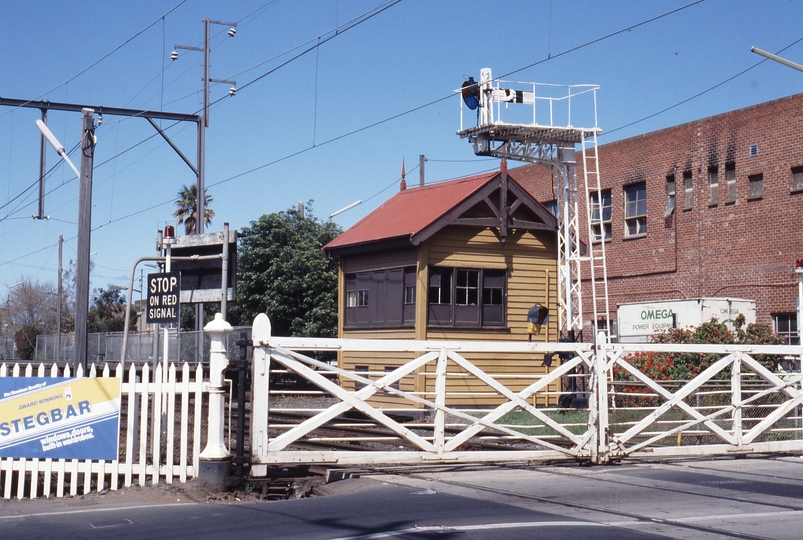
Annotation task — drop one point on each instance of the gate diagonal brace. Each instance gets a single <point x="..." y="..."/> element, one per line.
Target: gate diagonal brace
<point x="295" y="362"/>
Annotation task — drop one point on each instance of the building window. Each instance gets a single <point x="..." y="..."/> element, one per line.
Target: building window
<point x="380" y="298"/>
<point x="713" y="185"/>
<point x="390" y="369"/>
<point x="636" y="210"/>
<point x="362" y="371"/>
<point x="466" y="297"/>
<point x="688" y="188"/>
<point x="670" y="194"/>
<point x="730" y="181"/>
<point x="797" y="178"/>
<point x="786" y="327"/>
<point x="467" y="288"/>
<point x="756" y="186"/>
<point x="601" y="215"/>
<point x="358" y="298"/>
<point x="552" y="206"/>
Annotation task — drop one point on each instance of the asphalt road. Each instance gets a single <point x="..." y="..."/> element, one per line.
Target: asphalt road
<point x="724" y="498"/>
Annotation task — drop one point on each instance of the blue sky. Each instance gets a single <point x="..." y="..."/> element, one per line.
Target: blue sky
<point x="335" y="123"/>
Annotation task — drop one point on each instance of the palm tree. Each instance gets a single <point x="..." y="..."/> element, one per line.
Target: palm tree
<point x="186" y="209"/>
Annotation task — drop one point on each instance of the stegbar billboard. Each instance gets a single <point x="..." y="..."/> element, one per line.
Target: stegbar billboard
<point x="59" y="417"/>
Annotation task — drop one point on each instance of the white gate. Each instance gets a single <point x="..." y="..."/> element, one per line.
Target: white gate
<point x="734" y="405"/>
<point x="595" y="406"/>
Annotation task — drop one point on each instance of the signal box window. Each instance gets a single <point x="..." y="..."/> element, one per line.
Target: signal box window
<point x="380" y="298"/>
<point x="466" y="297"/>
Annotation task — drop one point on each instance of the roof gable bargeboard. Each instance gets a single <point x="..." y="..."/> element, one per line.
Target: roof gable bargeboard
<point x="488" y="207"/>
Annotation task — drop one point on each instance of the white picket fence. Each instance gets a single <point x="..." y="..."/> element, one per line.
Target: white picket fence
<point x="160" y="435"/>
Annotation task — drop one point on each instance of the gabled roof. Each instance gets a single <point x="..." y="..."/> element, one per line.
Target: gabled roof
<point x="413" y="215"/>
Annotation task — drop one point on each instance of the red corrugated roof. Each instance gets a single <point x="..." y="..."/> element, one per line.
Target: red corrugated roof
<point x="410" y="211"/>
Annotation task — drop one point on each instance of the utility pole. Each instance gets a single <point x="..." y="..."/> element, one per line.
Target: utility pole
<point x="203" y="123"/>
<point x="84" y="237"/>
<point x="58" y="312"/>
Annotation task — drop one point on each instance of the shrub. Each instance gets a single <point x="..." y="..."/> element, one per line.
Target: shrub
<point x="685" y="366"/>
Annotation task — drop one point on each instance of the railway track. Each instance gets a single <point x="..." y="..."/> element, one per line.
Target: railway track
<point x="698" y="499"/>
<point x="342" y="434"/>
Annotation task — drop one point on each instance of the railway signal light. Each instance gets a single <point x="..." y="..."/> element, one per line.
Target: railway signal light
<point x="470" y="91"/>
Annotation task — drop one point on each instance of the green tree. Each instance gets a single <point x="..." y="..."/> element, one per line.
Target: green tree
<point x="107" y="313"/>
<point x="187" y="209"/>
<point x="282" y="272"/>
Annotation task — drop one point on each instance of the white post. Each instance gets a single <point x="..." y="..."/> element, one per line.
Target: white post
<point x="166" y="345"/>
<point x="215" y="457"/>
<point x="260" y="390"/>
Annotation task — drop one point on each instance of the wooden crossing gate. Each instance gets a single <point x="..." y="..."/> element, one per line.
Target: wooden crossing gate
<point x="599" y="406"/>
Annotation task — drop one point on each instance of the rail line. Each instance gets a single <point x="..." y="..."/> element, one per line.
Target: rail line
<point x="550" y="469"/>
<point x="363" y="438"/>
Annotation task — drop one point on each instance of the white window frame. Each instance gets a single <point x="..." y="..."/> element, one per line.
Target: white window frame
<point x="635" y="210"/>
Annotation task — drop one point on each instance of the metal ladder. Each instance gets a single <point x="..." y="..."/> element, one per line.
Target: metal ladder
<point x="596" y="249"/>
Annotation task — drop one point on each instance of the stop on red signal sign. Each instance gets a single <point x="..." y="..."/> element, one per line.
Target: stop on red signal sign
<point x="163" y="298"/>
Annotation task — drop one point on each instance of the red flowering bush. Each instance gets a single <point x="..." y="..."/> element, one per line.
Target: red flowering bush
<point x="685" y="366"/>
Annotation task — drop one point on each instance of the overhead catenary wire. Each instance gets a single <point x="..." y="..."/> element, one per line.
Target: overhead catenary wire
<point x="430" y="103"/>
<point x="339" y="31"/>
<point x="105" y="56"/>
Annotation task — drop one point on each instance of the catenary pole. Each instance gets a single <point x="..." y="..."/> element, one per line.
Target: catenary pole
<point x="84" y="235"/>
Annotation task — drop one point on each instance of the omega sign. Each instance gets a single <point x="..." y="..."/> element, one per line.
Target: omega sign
<point x="163" y="298"/>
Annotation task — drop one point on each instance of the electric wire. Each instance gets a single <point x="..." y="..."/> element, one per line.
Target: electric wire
<point x="105" y="56"/>
<point x="345" y="27"/>
<point x="393" y="117"/>
<point x="698" y="94"/>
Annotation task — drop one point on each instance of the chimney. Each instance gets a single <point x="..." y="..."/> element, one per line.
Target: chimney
<point x="421" y="160"/>
<point x="403" y="184"/>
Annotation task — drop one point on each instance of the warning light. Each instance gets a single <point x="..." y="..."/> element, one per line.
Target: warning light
<point x="799" y="265"/>
<point x="169" y="236"/>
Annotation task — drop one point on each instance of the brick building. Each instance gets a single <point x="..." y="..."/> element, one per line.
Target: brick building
<point x="710" y="208"/>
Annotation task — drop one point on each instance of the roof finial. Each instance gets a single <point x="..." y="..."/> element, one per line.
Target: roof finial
<point x="403" y="184"/>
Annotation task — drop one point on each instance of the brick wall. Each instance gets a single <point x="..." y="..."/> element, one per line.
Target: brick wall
<point x="744" y="248"/>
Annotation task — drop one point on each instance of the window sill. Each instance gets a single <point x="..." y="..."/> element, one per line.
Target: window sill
<point x="497" y="329"/>
<point x="374" y="327"/>
<point x="751" y="199"/>
<point x="635" y="236"/>
<point x="795" y="191"/>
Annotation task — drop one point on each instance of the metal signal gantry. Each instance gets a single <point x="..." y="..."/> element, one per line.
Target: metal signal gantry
<point x="544" y="133"/>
